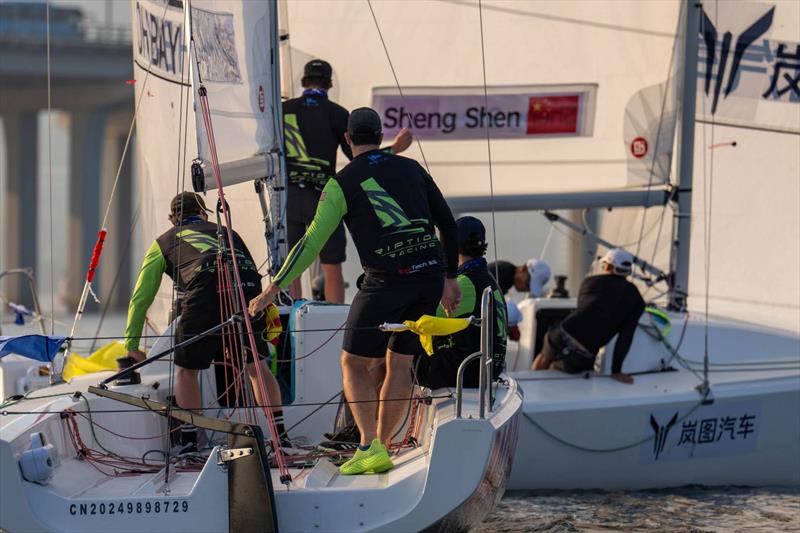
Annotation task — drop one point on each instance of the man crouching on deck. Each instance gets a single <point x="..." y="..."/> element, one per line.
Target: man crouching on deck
<point x="188" y="254"/>
<point x="390" y="206"/>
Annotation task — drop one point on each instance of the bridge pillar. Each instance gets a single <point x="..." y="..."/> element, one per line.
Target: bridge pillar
<point x="83" y="212"/>
<point x="19" y="201"/>
<point x="115" y="271"/>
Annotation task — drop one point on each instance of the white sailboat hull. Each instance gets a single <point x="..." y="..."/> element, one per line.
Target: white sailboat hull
<point x="610" y="443"/>
<point x="448" y="481"/>
<point x="591" y="432"/>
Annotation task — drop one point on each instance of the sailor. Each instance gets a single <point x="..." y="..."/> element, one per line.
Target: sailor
<point x="391" y="207"/>
<point x="608" y="305"/>
<point x="314" y="127"/>
<point x="187" y="253"/>
<point x="440" y="369"/>
<point x="529" y="278"/>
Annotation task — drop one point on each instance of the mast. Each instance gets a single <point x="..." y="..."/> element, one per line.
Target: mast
<point x="682" y="194"/>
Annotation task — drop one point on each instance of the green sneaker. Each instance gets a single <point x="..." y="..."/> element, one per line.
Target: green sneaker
<point x="376" y="459"/>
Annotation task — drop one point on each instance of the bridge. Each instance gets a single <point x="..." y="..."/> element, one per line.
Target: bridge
<point x="90" y="70"/>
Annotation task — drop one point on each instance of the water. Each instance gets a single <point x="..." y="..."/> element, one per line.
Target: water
<point x="677" y="510"/>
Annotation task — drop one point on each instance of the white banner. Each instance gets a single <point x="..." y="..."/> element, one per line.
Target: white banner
<point x="508" y="112"/>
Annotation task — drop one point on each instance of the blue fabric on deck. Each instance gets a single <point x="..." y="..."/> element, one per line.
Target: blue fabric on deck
<point x="39" y="347"/>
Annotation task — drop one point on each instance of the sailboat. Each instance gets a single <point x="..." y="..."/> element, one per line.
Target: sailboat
<point x="94" y="454"/>
<point x="600" y="91"/>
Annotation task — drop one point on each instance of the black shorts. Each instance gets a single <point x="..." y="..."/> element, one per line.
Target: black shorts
<point x="301" y="206"/>
<point x="566" y="355"/>
<point x="390" y="299"/>
<point x="199" y="354"/>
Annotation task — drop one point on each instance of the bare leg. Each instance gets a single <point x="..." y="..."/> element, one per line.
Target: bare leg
<point x="273" y="390"/>
<point x="334" y="283"/>
<point x="378" y="373"/>
<point x="187" y="390"/>
<point x="358" y="389"/>
<point x="541" y="362"/>
<point x="396" y="385"/>
<point x="296" y="289"/>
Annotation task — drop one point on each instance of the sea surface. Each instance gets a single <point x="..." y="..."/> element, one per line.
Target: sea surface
<point x="676" y="510"/>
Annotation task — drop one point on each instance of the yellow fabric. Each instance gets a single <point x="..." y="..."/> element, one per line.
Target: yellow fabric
<point x="274" y="326"/>
<point x="103" y="359"/>
<point x="428" y="327"/>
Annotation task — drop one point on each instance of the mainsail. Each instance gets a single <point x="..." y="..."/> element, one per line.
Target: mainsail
<point x="235" y="58"/>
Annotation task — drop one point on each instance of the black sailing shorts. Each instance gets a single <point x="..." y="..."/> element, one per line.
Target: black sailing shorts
<point x="301" y="206"/>
<point x="199" y="354"/>
<point x="565" y="354"/>
<point x="390" y="299"/>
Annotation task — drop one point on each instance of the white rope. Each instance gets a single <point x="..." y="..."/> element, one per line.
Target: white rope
<point x="488" y="142"/>
<point x="50" y="173"/>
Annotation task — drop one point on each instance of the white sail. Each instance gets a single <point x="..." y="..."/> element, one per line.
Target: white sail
<point x="232" y="58"/>
<point x="607" y="51"/>
<point x="166" y="128"/>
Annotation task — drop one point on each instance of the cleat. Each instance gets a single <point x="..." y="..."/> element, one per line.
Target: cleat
<point x="376" y="459"/>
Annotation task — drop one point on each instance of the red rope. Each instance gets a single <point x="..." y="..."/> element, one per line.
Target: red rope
<point x="237" y="279"/>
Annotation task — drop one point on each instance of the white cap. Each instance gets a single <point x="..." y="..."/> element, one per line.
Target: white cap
<point x="540" y="275"/>
<point x="514" y="314"/>
<point x="620" y="259"/>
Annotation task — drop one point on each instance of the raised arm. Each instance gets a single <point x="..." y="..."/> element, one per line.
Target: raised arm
<point x="331" y="209"/>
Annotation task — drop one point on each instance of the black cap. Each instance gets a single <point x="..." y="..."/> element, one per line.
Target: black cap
<point x="470" y="228"/>
<point x="186" y="204"/>
<point x="364" y="121"/>
<point x="317" y="68"/>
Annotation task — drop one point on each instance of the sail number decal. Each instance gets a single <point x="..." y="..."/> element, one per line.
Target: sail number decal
<point x="128" y="508"/>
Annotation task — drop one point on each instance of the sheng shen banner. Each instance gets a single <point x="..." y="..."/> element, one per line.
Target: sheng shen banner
<point x="509" y="112"/>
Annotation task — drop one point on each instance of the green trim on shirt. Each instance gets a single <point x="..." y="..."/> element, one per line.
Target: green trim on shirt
<point x="467" y="304"/>
<point x="331" y="209"/>
<point x="153" y="268"/>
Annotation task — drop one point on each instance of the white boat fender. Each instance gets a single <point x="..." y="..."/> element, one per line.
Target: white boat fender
<point x="39" y="462"/>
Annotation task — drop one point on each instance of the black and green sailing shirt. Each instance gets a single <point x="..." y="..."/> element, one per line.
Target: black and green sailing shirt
<point x="314" y="128"/>
<point x="391" y="207"/>
<point x="188" y="254"/>
<point x="473" y="278"/>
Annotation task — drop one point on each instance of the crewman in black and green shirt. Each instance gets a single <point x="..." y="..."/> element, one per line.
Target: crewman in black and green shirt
<point x="391" y="207"/>
<point x="440" y="369"/>
<point x="314" y="128"/>
<point x="187" y="253"/>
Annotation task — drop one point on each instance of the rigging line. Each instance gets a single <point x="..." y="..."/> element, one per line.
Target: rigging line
<point x="107" y="300"/>
<point x="69" y="396"/>
<point x="708" y="184"/>
<point x="546" y="245"/>
<point x="50" y="173"/>
<point x="658" y="135"/>
<point x="396" y="80"/>
<point x="488" y="142"/>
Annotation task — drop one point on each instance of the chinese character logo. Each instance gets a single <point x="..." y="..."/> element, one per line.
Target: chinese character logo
<point x="709" y="33"/>
<point x="661" y="434"/>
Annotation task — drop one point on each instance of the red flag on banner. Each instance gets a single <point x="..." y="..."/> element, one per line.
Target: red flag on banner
<point x="553" y="114"/>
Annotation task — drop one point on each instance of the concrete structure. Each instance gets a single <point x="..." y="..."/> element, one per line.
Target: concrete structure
<point x="90" y="82"/>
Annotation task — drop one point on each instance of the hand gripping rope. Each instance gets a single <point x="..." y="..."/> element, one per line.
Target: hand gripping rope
<point x="285" y="477"/>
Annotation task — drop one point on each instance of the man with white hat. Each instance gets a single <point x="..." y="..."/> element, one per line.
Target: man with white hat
<point x="608" y="305"/>
<point x="530" y="277"/>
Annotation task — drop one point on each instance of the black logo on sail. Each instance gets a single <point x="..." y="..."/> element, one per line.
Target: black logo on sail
<point x="709" y="33"/>
<point x="661" y="434"/>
